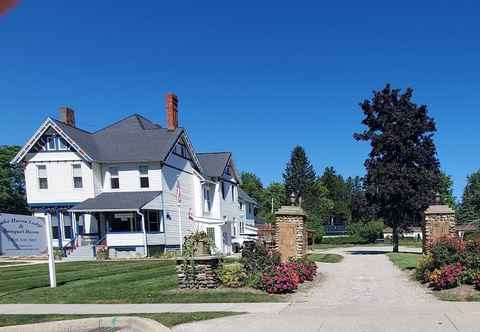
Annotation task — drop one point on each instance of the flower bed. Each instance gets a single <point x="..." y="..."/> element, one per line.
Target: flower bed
<point x="261" y="268"/>
<point x="451" y="263"/>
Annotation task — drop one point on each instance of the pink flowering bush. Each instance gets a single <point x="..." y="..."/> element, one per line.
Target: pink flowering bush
<point x="476" y="282"/>
<point x="447" y="276"/>
<point x="283" y="279"/>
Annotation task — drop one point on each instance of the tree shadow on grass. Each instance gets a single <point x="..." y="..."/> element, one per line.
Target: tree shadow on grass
<point x="367" y="252"/>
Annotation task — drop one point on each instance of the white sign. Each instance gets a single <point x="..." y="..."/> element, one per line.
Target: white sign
<point x="22" y="235"/>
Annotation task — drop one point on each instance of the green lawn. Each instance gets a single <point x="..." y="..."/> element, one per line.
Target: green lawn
<point x="326" y="258"/>
<point x="10" y="263"/>
<point x="405" y="261"/>
<point x="148" y="281"/>
<point x="167" y="319"/>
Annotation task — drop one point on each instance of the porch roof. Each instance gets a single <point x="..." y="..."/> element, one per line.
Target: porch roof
<point x="116" y="201"/>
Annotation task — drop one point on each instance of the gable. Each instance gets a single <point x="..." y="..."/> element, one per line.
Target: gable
<point x="182" y="154"/>
<point x="40" y="139"/>
<point x="51" y="141"/>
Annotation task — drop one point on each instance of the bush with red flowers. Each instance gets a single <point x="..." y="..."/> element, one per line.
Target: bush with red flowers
<point x="283" y="279"/>
<point x="446" y="277"/>
<point x="305" y="269"/>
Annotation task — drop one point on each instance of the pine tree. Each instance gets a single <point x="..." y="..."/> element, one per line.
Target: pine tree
<point x="299" y="176"/>
<point x="469" y="210"/>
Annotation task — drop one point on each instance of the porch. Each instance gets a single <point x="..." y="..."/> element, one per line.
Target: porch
<point x="124" y="225"/>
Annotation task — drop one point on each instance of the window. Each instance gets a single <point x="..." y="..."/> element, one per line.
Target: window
<point x="125" y="223"/>
<point x="233" y="193"/>
<point x="211" y="234"/>
<point x="67" y="226"/>
<point x="51" y="143"/>
<point x="154" y="221"/>
<point x="241" y="206"/>
<point x="114" y="179"/>
<point x="77" y="176"/>
<point x="206" y="197"/>
<point x="242" y="227"/>
<point x="249" y="208"/>
<point x="55" y="228"/>
<point x="143" y="170"/>
<point x="42" y="177"/>
<point x="234" y="226"/>
<point x="62" y="145"/>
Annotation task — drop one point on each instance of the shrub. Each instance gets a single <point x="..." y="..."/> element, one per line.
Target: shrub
<point x="469" y="276"/>
<point x="448" y="250"/>
<point x="446" y="277"/>
<point x="340" y="240"/>
<point x="424" y="266"/>
<point x="233" y="275"/>
<point x="57" y="254"/>
<point x="254" y="281"/>
<point x="102" y="253"/>
<point x="256" y="258"/>
<point x="305" y="269"/>
<point x="471" y="235"/>
<point x="369" y="232"/>
<point x="283" y="279"/>
<point x="476" y="282"/>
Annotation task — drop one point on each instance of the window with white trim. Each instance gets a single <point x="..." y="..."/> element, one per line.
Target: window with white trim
<point x="206" y="198"/>
<point x="154" y="221"/>
<point x="62" y="144"/>
<point x="42" y="176"/>
<point x="114" y="178"/>
<point x="144" y="182"/>
<point x="51" y="143"/>
<point x="233" y="193"/>
<point x="242" y="227"/>
<point x="77" y="176"/>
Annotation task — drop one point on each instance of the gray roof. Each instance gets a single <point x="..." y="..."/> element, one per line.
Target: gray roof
<point x="244" y="196"/>
<point x="213" y="164"/>
<point x="134" y="138"/>
<point x="116" y="201"/>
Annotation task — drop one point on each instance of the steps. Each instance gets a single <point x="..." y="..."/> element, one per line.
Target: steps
<point x="82" y="253"/>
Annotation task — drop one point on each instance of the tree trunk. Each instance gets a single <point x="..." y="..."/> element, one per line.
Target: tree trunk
<point x="395" y="238"/>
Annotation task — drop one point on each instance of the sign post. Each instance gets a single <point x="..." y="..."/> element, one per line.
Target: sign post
<point x="51" y="257"/>
<point x="22" y="235"/>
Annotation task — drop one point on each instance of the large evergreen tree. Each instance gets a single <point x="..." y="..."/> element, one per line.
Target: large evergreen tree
<point x="12" y="183"/>
<point x="402" y="169"/>
<point x="469" y="210"/>
<point x="445" y="190"/>
<point x="339" y="192"/>
<point x="299" y="176"/>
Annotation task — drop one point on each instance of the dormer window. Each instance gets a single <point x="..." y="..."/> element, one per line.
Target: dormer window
<point x="51" y="146"/>
<point x="62" y="145"/>
<point x="144" y="182"/>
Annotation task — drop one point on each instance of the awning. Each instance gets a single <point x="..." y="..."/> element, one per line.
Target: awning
<point x="116" y="201"/>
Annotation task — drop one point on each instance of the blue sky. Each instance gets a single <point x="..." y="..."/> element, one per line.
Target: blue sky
<point x="253" y="77"/>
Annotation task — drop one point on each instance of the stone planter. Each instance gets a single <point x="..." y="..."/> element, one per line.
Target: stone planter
<point x="204" y="269"/>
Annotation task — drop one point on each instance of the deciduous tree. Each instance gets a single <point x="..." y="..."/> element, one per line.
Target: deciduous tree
<point x="402" y="169"/>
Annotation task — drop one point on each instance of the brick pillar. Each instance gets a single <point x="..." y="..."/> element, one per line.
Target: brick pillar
<point x="290" y="233"/>
<point x="439" y="221"/>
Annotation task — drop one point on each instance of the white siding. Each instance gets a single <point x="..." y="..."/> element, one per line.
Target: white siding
<point x="129" y="177"/>
<point x="60" y="178"/>
<point x="125" y="239"/>
<point x="171" y="176"/>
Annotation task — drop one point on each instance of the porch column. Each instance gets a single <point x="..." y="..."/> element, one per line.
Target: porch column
<point x="144" y="228"/>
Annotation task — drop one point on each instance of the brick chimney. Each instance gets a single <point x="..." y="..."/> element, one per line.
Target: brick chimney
<point x="67" y="115"/>
<point x="172" y="111"/>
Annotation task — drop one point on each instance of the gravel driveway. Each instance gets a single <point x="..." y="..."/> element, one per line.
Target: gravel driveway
<point x="364" y="292"/>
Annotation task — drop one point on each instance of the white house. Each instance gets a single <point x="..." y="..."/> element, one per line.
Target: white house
<point x="133" y="186"/>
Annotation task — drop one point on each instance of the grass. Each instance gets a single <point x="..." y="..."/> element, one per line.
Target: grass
<point x="167" y="319"/>
<point x="445" y="296"/>
<point x="326" y="258"/>
<point x="405" y="261"/>
<point x="111" y="282"/>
